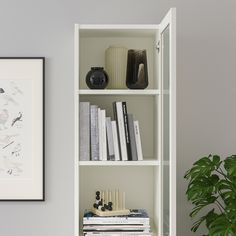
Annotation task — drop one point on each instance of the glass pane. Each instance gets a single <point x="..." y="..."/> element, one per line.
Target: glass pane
<point x="166" y="131"/>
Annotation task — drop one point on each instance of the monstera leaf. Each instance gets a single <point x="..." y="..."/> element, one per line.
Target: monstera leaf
<point x="227" y="190"/>
<point x="230" y="165"/>
<point x="212" y="183"/>
<point x="201" y="203"/>
<point x="230" y="211"/>
<point x="221" y="226"/>
<point x="203" y="167"/>
<point x="202" y="187"/>
<point x="210" y="217"/>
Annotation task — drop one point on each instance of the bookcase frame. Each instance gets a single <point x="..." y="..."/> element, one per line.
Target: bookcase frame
<point x="85" y="34"/>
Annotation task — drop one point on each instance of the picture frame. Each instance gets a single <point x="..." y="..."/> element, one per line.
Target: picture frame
<point x="22" y="149"/>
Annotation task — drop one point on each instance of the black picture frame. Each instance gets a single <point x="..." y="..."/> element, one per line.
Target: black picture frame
<point x="34" y="69"/>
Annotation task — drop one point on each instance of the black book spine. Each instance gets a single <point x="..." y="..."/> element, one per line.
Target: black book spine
<point x="118" y="133"/>
<point x="127" y="134"/>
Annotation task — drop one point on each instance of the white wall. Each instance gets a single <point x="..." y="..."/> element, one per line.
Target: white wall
<point x="206" y="91"/>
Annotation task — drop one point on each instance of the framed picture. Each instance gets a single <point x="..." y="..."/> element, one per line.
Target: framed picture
<point x="22" y="128"/>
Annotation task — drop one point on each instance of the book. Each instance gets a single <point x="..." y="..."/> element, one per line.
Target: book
<point x="84" y="134"/>
<point x="127" y="135"/>
<point x="132" y="137"/>
<point x="103" y="135"/>
<point x="116" y="228"/>
<point x="100" y="134"/>
<point x="138" y="140"/>
<point x="136" y="223"/>
<point x="118" y="114"/>
<point x="115" y="140"/>
<point x="118" y="233"/>
<point x="137" y="216"/>
<point x="94" y="133"/>
<point x="110" y="141"/>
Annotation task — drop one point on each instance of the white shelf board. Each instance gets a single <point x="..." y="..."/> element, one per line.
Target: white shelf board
<point x="118" y="92"/>
<point x="118" y="26"/>
<point x="120" y="163"/>
<point x="118" y="30"/>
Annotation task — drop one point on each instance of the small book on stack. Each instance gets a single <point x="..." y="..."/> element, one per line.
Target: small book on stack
<point x="137" y="223"/>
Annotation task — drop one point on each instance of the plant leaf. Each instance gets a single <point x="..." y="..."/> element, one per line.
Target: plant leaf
<point x="230" y="165"/>
<point x="216" y="160"/>
<point x="197" y="224"/>
<point x="202" y="188"/>
<point x="210" y="217"/>
<point x="230" y="210"/>
<point x="203" y="167"/>
<point x="201" y="204"/>
<point x="228" y="197"/>
<point x="223" y="186"/>
<point x="222" y="227"/>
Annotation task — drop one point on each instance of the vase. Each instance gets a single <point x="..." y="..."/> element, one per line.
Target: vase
<point x="137" y="71"/>
<point x="116" y="62"/>
<point x="97" y="78"/>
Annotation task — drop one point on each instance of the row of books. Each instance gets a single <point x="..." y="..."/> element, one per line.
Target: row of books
<point x="137" y="223"/>
<point x="102" y="138"/>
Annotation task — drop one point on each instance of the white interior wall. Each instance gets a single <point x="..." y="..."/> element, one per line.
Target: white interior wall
<point x="205" y="91"/>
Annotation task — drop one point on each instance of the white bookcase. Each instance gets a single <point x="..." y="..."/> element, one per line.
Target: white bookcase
<point x="151" y="183"/>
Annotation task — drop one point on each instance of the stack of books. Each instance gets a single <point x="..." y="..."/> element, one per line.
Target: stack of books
<point x="102" y="138"/>
<point x="137" y="223"/>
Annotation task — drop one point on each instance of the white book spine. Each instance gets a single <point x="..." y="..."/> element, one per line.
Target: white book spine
<point x="121" y="130"/>
<point x="84" y="134"/>
<point x="110" y="141"/>
<point x="116" y="220"/>
<point x="100" y="134"/>
<point x="118" y="233"/>
<point x="94" y="137"/>
<point x="110" y="227"/>
<point x="103" y="135"/>
<point x="115" y="140"/>
<point x="138" y="140"/>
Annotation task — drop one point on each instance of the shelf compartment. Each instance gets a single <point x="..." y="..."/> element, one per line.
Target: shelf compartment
<point x="144" y="109"/>
<point x="119" y="92"/>
<point x="119" y="163"/>
<point x="140" y="185"/>
<point x="93" y="45"/>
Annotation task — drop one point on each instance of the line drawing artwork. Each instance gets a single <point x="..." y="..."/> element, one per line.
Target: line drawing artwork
<point x="15" y="128"/>
<point x="8" y="144"/>
<point x="15" y="89"/>
<point x="7" y="98"/>
<point x="18" y="118"/>
<point x="4" y="115"/>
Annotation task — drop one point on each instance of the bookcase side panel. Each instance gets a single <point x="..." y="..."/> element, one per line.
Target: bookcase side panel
<point x="76" y="130"/>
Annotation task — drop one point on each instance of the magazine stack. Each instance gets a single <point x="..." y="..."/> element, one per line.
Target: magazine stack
<point x="136" y="223"/>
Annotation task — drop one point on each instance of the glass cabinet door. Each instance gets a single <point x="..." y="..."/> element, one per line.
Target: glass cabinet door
<point x="168" y="96"/>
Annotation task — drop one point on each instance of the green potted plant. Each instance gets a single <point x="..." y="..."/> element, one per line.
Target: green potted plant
<point x="212" y="186"/>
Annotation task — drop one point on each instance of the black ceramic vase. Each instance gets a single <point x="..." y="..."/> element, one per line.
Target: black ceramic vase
<point x="97" y="78"/>
<point x="137" y="72"/>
